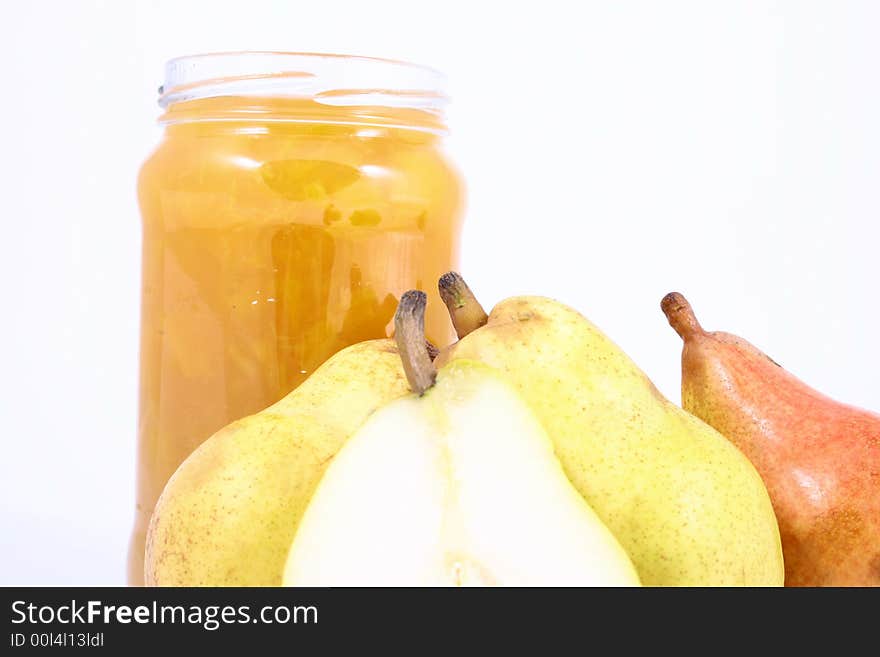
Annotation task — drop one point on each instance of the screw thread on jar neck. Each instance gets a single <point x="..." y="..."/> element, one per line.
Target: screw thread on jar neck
<point x="304" y="87"/>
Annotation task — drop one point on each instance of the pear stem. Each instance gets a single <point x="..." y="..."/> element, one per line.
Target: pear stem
<point x="465" y="311"/>
<point x="409" y="333"/>
<point x="680" y="315"/>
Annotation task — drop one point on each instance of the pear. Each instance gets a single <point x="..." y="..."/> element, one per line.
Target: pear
<point x="819" y="458"/>
<point x="228" y="514"/>
<point x="454" y="485"/>
<point x="686" y="505"/>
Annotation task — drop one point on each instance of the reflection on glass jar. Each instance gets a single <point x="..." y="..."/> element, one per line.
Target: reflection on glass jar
<point x="291" y="201"/>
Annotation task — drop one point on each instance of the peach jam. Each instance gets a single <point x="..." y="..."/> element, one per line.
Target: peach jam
<point x="291" y="200"/>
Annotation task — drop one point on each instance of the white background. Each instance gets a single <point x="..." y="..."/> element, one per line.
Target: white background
<point x="613" y="150"/>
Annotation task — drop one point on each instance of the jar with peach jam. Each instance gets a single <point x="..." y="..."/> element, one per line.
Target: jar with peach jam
<point x="292" y="199"/>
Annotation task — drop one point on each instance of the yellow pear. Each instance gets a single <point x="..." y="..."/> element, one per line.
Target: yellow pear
<point x="686" y="505"/>
<point x="228" y="514"/>
<point x="454" y="485"/>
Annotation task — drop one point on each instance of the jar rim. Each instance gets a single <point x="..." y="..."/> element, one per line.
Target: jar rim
<point x="332" y="79"/>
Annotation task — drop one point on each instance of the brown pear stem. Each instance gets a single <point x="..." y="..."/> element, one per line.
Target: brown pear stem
<point x="465" y="311"/>
<point x="680" y="315"/>
<point x="409" y="333"/>
<point x="433" y="350"/>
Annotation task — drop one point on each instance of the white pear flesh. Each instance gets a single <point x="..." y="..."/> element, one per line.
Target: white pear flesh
<point x="459" y="487"/>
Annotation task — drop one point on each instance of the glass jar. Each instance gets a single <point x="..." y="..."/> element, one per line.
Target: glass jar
<point x="292" y="199"/>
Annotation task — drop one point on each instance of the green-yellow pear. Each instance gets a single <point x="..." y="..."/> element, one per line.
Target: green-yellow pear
<point x="454" y="485"/>
<point x="228" y="514"/>
<point x="686" y="505"/>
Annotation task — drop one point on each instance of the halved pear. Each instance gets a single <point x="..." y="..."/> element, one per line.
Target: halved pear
<point x="456" y="486"/>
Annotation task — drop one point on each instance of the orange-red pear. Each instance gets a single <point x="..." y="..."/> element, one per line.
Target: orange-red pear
<point x="819" y="458"/>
